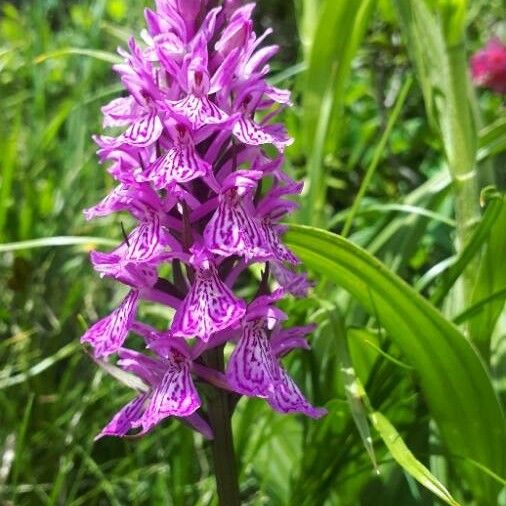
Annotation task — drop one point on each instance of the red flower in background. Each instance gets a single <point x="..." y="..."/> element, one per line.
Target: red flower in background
<point x="488" y="66"/>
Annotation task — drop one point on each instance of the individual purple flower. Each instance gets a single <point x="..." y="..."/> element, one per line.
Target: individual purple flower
<point x="198" y="160"/>
<point x="169" y="388"/>
<point x="254" y="367"/>
<point x="488" y="66"/>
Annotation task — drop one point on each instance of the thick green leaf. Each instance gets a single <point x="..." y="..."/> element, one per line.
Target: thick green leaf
<point x="454" y="381"/>
<point x="403" y="456"/>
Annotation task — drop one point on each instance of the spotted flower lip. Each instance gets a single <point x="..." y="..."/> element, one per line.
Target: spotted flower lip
<point x="254" y="370"/>
<point x="197" y="155"/>
<point x="169" y="392"/>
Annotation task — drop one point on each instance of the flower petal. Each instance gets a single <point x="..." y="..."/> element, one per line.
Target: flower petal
<point x="231" y="231"/>
<point x="175" y="396"/>
<point x="146" y="242"/>
<point x="286" y="397"/>
<point x="107" y="335"/>
<point x="137" y="275"/>
<point x="279" y="251"/>
<point x="293" y="282"/>
<point x="123" y="420"/>
<point x="120" y="112"/>
<point x="143" y="132"/>
<point x="180" y="164"/>
<point x="210" y="306"/>
<point x="250" y="368"/>
<point x="118" y="199"/>
<point x="254" y="134"/>
<point x="199" y="111"/>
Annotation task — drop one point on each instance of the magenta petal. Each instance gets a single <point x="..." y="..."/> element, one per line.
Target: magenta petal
<point x="293" y="282"/>
<point x="180" y="164"/>
<point x="146" y="241"/>
<point x="118" y="199"/>
<point x="231" y="231"/>
<point x="251" y="366"/>
<point x="124" y="419"/>
<point x="137" y="275"/>
<point x="253" y="134"/>
<point x="174" y="396"/>
<point x="285" y="340"/>
<point x="279" y="251"/>
<point x="143" y="132"/>
<point x="287" y="398"/>
<point x="107" y="335"/>
<point x="199" y="111"/>
<point x="210" y="306"/>
<point x="120" y="112"/>
<point x="200" y="425"/>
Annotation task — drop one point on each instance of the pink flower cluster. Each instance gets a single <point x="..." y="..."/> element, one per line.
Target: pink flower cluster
<point x="488" y="66"/>
<point x="198" y="161"/>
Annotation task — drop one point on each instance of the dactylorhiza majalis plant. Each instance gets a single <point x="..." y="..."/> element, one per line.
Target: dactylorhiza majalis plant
<point x="193" y="170"/>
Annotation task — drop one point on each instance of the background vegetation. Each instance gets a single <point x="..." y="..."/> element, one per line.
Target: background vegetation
<point x="395" y="148"/>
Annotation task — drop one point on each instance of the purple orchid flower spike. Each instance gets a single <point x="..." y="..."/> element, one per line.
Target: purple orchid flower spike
<point x="194" y="169"/>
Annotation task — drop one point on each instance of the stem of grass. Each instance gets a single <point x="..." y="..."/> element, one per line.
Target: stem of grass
<point x="377" y="156"/>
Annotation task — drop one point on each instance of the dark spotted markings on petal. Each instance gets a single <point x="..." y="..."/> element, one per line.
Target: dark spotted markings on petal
<point x="107" y="335"/>
<point x="209" y="307"/>
<point x="124" y="419"/>
<point x="145" y="242"/>
<point x="180" y="164"/>
<point x="175" y="396"/>
<point x="251" y="367"/>
<point x="287" y="398"/>
<point x="232" y="232"/>
<point x="143" y="132"/>
<point x="200" y="111"/>
<point x="251" y="133"/>
<point x="278" y="249"/>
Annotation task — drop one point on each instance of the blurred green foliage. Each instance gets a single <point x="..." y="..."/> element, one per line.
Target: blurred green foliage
<point x="346" y="76"/>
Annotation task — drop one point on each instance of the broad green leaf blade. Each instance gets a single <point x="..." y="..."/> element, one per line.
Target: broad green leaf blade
<point x="454" y="381"/>
<point x="403" y="456"/>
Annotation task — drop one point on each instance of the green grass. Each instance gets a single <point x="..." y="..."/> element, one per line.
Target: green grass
<point x="382" y="161"/>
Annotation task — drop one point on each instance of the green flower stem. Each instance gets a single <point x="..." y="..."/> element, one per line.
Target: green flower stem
<point x="461" y="154"/>
<point x="224" y="461"/>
